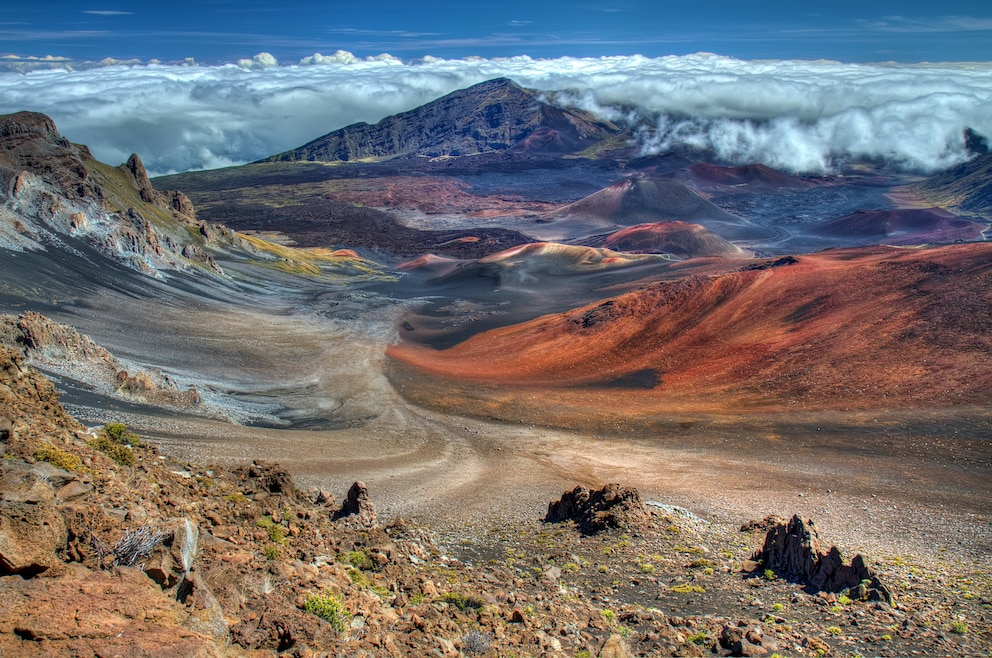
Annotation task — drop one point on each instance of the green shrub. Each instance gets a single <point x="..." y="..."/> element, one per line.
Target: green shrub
<point x="698" y="638"/>
<point x="59" y="458"/>
<point x="120" y="453"/>
<point x="329" y="608"/>
<point x="769" y="574"/>
<point x="270" y="551"/>
<point x="463" y="602"/>
<point x="358" y="559"/>
<point x="687" y="589"/>
<point x="277" y="533"/>
<point x="959" y="627"/>
<point x="119" y="433"/>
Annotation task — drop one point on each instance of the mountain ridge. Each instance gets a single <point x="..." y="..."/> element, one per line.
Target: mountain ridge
<point x="495" y="115"/>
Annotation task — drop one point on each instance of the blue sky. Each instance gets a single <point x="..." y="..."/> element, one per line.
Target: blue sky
<point x="214" y="31"/>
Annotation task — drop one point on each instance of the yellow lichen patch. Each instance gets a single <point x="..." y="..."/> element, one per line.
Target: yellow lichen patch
<point x="312" y="261"/>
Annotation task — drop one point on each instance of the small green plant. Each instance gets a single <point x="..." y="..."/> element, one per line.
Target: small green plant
<point x="462" y="602"/>
<point x="329" y="608"/>
<point x="416" y="598"/>
<point x="687" y="589"/>
<point x="119" y="433"/>
<point x="236" y="497"/>
<point x="584" y="653"/>
<point x="687" y="549"/>
<point x="58" y="458"/>
<point x="959" y="627"/>
<point x="843" y="599"/>
<point x="569" y="567"/>
<point x="646" y="568"/>
<point x="778" y="607"/>
<point x="834" y="630"/>
<point x="887" y="637"/>
<point x="119" y="452"/>
<point x="270" y="551"/>
<point x="608" y="615"/>
<point x="769" y="574"/>
<point x="603" y="568"/>
<point x="277" y="533"/>
<point x="358" y="559"/>
<point x="700" y="563"/>
<point x="698" y="638"/>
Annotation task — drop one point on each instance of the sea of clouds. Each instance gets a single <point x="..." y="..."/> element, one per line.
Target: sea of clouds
<point x="798" y="116"/>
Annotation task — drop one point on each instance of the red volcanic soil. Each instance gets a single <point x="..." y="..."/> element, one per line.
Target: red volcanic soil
<point x="682" y="239"/>
<point x="863" y="328"/>
<point x="753" y="175"/>
<point x="902" y="227"/>
<point x="636" y="200"/>
<point x="429" y="195"/>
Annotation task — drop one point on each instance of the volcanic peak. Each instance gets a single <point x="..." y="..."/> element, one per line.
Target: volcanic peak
<point x="495" y="115"/>
<point x="678" y="238"/>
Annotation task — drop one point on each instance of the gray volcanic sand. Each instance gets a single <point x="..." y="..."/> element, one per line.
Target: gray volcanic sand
<point x="307" y="373"/>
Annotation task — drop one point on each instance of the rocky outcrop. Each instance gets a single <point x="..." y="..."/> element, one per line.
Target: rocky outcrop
<point x="611" y="507"/>
<point x="32" y="532"/>
<point x="793" y="551"/>
<point x="62" y="349"/>
<point x="56" y="190"/>
<point x="357" y="507"/>
<point x="491" y="116"/>
<point x="136" y="168"/>
<point x="29" y="141"/>
<point x="266" y="478"/>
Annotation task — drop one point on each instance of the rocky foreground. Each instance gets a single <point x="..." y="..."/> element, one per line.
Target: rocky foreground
<point x="108" y="547"/>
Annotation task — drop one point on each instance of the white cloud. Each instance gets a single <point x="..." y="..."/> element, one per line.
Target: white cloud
<point x="259" y="62"/>
<point x="798" y="116"/>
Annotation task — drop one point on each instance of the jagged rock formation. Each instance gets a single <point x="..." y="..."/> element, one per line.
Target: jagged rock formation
<point x="793" y="550"/>
<point x="357" y="507"/>
<point x="491" y="116"/>
<point x="61" y="349"/>
<point x="53" y="191"/>
<point x="611" y="507"/>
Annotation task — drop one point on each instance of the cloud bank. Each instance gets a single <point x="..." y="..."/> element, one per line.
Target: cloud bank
<point x="799" y="116"/>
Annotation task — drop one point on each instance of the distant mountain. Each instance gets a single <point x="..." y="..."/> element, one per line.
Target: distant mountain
<point x="496" y="115"/>
<point x="966" y="189"/>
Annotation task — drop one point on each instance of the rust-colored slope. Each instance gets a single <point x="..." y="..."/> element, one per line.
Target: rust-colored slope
<point x="902" y="227"/>
<point x="865" y="328"/>
<point x="682" y="239"/>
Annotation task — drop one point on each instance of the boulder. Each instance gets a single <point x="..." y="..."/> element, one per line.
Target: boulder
<point x="97" y="613"/>
<point x="793" y="551"/>
<point x="613" y="506"/>
<point x="32" y="532"/>
<point x="267" y="478"/>
<point x="358" y="507"/>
